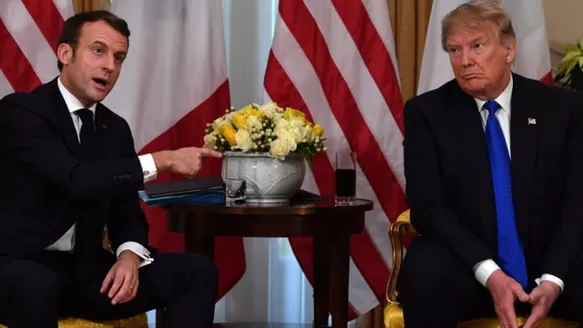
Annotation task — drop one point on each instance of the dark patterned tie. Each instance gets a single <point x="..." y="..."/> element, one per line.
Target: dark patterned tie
<point x="87" y="234"/>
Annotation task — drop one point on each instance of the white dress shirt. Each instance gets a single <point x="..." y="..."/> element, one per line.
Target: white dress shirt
<point x="67" y="242"/>
<point x="484" y="269"/>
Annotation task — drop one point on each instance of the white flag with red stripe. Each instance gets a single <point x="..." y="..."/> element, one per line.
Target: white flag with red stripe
<point x="29" y="36"/>
<point x="335" y="61"/>
<point x="532" y="57"/>
<point x="174" y="81"/>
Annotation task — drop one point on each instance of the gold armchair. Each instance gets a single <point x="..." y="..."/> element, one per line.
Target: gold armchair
<point x="393" y="313"/>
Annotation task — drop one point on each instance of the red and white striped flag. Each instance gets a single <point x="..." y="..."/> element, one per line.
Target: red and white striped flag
<point x="532" y="54"/>
<point x="29" y="36"/>
<point x="335" y="61"/>
<point x="174" y="81"/>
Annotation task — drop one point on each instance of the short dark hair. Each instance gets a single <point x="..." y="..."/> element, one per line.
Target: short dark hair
<point x="72" y="27"/>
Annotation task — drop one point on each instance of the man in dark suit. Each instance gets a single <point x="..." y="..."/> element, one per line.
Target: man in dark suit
<point x="494" y="168"/>
<point x="70" y="168"/>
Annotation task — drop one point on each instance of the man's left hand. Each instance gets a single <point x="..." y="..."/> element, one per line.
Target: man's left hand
<point x="124" y="276"/>
<point x="541" y="298"/>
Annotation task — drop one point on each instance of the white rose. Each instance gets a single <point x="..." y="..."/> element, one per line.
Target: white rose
<point x="287" y="137"/>
<point x="209" y="141"/>
<point x="279" y="149"/>
<point x="218" y="122"/>
<point x="243" y="139"/>
<point x="299" y="130"/>
<point x="269" y="109"/>
<point x="253" y="123"/>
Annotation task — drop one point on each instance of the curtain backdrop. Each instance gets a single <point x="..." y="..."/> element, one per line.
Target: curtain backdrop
<point x="88" y="5"/>
<point x="280" y="291"/>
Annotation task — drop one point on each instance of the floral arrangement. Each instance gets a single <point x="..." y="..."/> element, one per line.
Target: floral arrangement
<point x="266" y="128"/>
<point x="571" y="68"/>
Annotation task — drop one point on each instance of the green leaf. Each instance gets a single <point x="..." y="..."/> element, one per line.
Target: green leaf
<point x="571" y="55"/>
<point x="571" y="47"/>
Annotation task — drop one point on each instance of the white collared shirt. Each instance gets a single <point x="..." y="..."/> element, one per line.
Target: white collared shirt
<point x="67" y="242"/>
<point x="483" y="269"/>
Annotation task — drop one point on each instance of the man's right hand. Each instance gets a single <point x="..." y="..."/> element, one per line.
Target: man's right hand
<point x="505" y="291"/>
<point x="184" y="161"/>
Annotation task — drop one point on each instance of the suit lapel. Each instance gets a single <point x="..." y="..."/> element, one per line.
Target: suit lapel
<point x="467" y="126"/>
<point x="64" y="119"/>
<point x="524" y="138"/>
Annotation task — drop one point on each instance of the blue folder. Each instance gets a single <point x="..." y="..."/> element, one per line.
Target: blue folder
<point x="208" y="197"/>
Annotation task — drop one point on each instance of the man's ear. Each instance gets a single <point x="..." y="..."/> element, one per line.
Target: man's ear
<point x="65" y="53"/>
<point x="510" y="46"/>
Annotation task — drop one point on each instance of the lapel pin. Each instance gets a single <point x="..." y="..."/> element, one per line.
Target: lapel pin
<point x="531" y="121"/>
<point x="104" y="127"/>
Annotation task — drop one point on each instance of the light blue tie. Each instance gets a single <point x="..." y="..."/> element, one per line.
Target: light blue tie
<point x="510" y="253"/>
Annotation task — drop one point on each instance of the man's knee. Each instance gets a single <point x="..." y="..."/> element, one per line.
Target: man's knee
<point x="31" y="282"/>
<point x="200" y="267"/>
<point x="430" y="271"/>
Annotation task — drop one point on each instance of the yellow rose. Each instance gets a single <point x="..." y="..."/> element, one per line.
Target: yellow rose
<point x="239" y="120"/>
<point x="318" y="130"/>
<point x="228" y="132"/>
<point x="243" y="139"/>
<point x="294" y="113"/>
<point x="279" y="149"/>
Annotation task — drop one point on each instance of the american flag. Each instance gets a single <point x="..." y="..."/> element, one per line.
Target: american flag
<point x="29" y="36"/>
<point x="335" y="60"/>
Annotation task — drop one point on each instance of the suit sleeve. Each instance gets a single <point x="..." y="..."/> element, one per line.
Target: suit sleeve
<point x="430" y="214"/>
<point x="28" y="137"/>
<point x="126" y="220"/>
<point x="567" y="238"/>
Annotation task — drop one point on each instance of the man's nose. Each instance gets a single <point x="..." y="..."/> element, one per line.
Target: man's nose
<point x="109" y="63"/>
<point x="466" y="58"/>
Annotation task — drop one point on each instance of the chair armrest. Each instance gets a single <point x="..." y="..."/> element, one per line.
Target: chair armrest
<point x="397" y="232"/>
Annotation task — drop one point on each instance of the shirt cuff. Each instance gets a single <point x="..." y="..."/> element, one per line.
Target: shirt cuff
<point x="483" y="270"/>
<point x="550" y="277"/>
<point x="148" y="167"/>
<point x="138" y="249"/>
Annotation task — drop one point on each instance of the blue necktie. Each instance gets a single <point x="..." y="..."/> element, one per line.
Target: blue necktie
<point x="510" y="254"/>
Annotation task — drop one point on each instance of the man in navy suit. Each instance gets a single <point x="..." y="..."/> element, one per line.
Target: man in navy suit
<point x="70" y="168"/>
<point x="494" y="168"/>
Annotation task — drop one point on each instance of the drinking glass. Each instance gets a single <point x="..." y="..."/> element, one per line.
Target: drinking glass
<point x="235" y="185"/>
<point x="235" y="191"/>
<point x="345" y="177"/>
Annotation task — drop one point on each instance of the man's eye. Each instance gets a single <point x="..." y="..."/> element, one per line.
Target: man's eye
<point x="98" y="51"/>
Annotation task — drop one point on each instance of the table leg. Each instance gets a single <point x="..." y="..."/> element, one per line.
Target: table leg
<point x="197" y="238"/>
<point x="320" y="258"/>
<point x="339" y="270"/>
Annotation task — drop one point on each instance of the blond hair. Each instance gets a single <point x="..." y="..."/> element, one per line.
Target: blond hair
<point x="476" y="12"/>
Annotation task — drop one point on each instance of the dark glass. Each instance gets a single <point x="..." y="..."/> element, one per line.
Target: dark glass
<point x="345" y="182"/>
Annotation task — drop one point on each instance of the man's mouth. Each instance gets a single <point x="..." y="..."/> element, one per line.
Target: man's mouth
<point x="100" y="81"/>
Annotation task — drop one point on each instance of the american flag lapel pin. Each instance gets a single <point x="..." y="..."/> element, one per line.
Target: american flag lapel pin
<point x="531" y="121"/>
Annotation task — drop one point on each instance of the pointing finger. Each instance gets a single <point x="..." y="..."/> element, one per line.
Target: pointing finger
<point x="210" y="153"/>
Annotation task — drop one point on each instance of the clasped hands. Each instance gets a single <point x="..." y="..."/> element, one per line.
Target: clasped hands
<point x="505" y="291"/>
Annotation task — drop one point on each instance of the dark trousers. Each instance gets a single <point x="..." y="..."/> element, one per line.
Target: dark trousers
<point x="437" y="290"/>
<point x="37" y="290"/>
